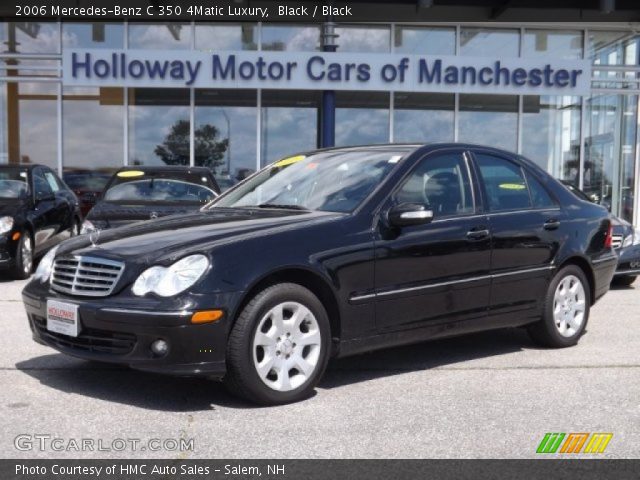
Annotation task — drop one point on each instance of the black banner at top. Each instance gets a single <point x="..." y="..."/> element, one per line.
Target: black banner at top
<point x="318" y="11"/>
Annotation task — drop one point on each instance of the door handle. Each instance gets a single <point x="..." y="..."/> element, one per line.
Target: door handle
<point x="551" y="224"/>
<point x="477" y="234"/>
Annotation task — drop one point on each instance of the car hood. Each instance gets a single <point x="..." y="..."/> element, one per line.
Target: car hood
<point x="176" y="235"/>
<point x="111" y="215"/>
<point x="11" y="208"/>
<point x="620" y="226"/>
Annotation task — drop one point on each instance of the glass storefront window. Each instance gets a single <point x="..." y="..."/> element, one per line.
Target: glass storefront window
<point x="489" y="120"/>
<point x="482" y="42"/>
<point x="4" y="125"/>
<point x="160" y="36"/>
<point x="613" y="48"/>
<point x="363" y="38"/>
<point x="225" y="133"/>
<point x="92" y="35"/>
<point x="295" y="38"/>
<point x="158" y="126"/>
<point x="362" y="118"/>
<point x="226" y="36"/>
<point x="427" y="41"/>
<point x="30" y="37"/>
<point x="551" y="134"/>
<point x="289" y="123"/>
<point x="552" y="43"/>
<point x="423" y="117"/>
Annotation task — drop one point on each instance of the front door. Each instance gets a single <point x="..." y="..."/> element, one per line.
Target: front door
<point x="438" y="272"/>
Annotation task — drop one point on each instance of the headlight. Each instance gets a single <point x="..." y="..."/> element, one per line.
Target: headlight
<point x="87" y="227"/>
<point x="628" y="240"/>
<point x="6" y="224"/>
<point x="169" y="281"/>
<point x="636" y="237"/>
<point x="43" y="272"/>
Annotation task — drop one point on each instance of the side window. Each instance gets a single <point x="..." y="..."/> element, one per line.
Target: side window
<point x="40" y="185"/>
<point x="539" y="195"/>
<point x="504" y="183"/>
<point x="440" y="182"/>
<point x="52" y="181"/>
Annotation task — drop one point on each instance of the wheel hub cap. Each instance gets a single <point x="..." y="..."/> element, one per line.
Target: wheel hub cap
<point x="569" y="306"/>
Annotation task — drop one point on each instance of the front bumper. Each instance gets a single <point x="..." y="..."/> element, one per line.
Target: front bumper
<point x="628" y="261"/>
<point x="114" y="332"/>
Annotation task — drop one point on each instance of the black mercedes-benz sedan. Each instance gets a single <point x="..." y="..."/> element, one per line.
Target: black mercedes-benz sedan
<point x="330" y="253"/>
<point x="141" y="193"/>
<point x="37" y="212"/>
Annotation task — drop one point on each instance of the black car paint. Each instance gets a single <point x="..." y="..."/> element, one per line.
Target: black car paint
<point x="362" y="269"/>
<point x="105" y="214"/>
<point x="48" y="219"/>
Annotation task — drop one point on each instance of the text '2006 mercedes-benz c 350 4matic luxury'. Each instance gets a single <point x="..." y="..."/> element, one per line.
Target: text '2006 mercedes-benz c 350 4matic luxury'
<point x="330" y="253"/>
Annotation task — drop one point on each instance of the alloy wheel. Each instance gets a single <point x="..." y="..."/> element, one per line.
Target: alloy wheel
<point x="27" y="254"/>
<point x="569" y="306"/>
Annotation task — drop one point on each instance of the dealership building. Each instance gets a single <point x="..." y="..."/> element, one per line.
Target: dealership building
<point x="237" y="96"/>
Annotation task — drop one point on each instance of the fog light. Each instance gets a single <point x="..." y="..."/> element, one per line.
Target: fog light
<point x="160" y="347"/>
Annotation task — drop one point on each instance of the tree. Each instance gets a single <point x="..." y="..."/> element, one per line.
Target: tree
<point x="209" y="149"/>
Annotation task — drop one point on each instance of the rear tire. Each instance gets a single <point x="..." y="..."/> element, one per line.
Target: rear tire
<point x="565" y="311"/>
<point x="23" y="265"/>
<point x="624" y="280"/>
<point x="279" y="347"/>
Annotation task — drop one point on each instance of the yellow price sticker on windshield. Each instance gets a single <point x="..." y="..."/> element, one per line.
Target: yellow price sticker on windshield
<point x="289" y="160"/>
<point x="130" y="173"/>
<point x="512" y="186"/>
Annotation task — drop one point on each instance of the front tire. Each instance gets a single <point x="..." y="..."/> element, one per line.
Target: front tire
<point x="279" y="347"/>
<point x="565" y="311"/>
<point x="24" y="257"/>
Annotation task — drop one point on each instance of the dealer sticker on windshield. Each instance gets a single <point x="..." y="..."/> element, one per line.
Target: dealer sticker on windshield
<point x="62" y="318"/>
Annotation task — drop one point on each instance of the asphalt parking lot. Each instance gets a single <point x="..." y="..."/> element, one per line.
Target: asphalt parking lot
<point x="491" y="395"/>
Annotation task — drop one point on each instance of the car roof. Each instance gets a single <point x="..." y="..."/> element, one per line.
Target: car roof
<point x="164" y="168"/>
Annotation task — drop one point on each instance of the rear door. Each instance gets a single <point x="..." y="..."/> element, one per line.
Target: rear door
<point x="64" y="207"/>
<point x="525" y="222"/>
<point x="45" y="222"/>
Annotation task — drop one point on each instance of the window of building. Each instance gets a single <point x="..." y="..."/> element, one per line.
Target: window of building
<point x="226" y="36"/>
<point x="92" y="35"/>
<point x="427" y="41"/>
<point x="482" y="42"/>
<point x="362" y="118"/>
<point x="363" y="38"/>
<point x="489" y="120"/>
<point x="30" y="37"/>
<point x="293" y="38"/>
<point x="225" y="133"/>
<point x="423" y="117"/>
<point x="553" y="43"/>
<point x="159" y="126"/>
<point x="171" y="35"/>
<point x="613" y="47"/>
<point x="551" y="134"/>
<point x="289" y="123"/>
<point x="504" y="183"/>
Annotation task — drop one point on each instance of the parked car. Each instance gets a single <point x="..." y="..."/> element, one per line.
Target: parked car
<point x="626" y="243"/>
<point x="87" y="185"/>
<point x="142" y="193"/>
<point x="339" y="252"/>
<point x="37" y="211"/>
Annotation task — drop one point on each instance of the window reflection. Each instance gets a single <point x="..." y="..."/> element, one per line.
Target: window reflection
<point x="423" y="117"/>
<point x="551" y="134"/>
<point x="289" y="123"/>
<point x="225" y="133"/>
<point x="481" y="42"/>
<point x="294" y="38"/>
<point x="362" y="118"/>
<point x="489" y="120"/>
<point x="613" y="48"/>
<point x="552" y="43"/>
<point x="226" y="36"/>
<point x="363" y="38"/>
<point x="165" y="35"/>
<point x="92" y="35"/>
<point x="158" y="126"/>
<point x="30" y="37"/>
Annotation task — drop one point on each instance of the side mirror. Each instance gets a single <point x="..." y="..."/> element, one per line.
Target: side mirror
<point x="44" y="197"/>
<point x="408" y="214"/>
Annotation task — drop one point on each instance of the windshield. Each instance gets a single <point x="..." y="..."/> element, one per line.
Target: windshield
<point x="13" y="183"/>
<point x="333" y="181"/>
<point x="129" y="187"/>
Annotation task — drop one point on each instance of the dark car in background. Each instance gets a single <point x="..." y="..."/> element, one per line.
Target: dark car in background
<point x="37" y="211"/>
<point x="142" y="193"/>
<point x="87" y="185"/>
<point x="625" y="241"/>
<point x="333" y="253"/>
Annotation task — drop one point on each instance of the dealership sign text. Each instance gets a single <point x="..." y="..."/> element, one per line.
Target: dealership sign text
<point x="325" y="71"/>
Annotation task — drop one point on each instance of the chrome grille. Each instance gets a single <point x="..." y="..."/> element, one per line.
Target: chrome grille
<point x="616" y="241"/>
<point x="87" y="276"/>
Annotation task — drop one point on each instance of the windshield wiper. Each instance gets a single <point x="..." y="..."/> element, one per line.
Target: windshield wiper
<point x="282" y="206"/>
